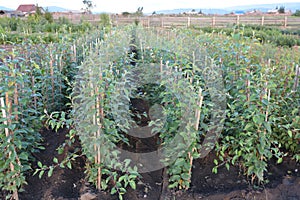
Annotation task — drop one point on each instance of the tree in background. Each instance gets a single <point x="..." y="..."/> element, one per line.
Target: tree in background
<point x="139" y="11"/>
<point x="125" y="14"/>
<point x="105" y="20"/>
<point x="38" y="11"/>
<point x="88" y="6"/>
<point x="281" y="10"/>
<point x="48" y="16"/>
<point x="297" y="13"/>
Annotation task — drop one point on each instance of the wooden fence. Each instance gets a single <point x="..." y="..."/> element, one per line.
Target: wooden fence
<point x="281" y="21"/>
<point x="212" y="21"/>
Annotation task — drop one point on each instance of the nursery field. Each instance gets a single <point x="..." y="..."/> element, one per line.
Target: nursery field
<point x="140" y="113"/>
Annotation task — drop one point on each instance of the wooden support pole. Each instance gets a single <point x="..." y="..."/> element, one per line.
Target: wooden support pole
<point x="238" y="20"/>
<point x="296" y="81"/>
<point x="285" y="21"/>
<point x="52" y="74"/>
<point x="197" y="116"/>
<point x="213" y="21"/>
<point x="98" y="134"/>
<point x="33" y="92"/>
<point x="16" y="102"/>
<point x="4" y="116"/>
<point x="15" y="195"/>
<point x="267" y="110"/>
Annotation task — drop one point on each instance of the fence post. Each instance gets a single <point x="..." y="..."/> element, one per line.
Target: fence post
<point x="188" y="22"/>
<point x="262" y="20"/>
<point x="213" y="21"/>
<point x="162" y="22"/>
<point x="285" y="21"/>
<point x="148" y="22"/>
<point x="238" y="20"/>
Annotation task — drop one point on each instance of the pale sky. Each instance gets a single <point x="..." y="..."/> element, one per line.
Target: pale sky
<point x="116" y="6"/>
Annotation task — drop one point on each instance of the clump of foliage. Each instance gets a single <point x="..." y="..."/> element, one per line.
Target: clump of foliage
<point x="105" y="20"/>
<point x="297" y="13"/>
<point x="230" y="82"/>
<point x="260" y="83"/>
<point x="40" y="29"/>
<point x="281" y="10"/>
<point x="262" y="33"/>
<point x="34" y="78"/>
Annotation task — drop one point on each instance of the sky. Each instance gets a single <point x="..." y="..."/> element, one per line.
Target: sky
<point x="117" y="6"/>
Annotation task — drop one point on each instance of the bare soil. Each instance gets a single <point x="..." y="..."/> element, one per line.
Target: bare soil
<point x="69" y="184"/>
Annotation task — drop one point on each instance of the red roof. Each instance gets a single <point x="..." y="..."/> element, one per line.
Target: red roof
<point x="26" y="8"/>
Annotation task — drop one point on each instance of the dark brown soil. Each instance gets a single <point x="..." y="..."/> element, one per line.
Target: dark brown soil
<point x="66" y="184"/>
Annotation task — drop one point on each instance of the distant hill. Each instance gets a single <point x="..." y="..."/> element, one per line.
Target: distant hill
<point x="262" y="7"/>
<point x="182" y="10"/>
<point x="265" y="7"/>
<point x="55" y="9"/>
<point x="5" y="8"/>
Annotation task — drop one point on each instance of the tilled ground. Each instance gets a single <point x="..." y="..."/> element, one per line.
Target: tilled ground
<point x="69" y="184"/>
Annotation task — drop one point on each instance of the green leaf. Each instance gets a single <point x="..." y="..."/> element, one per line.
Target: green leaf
<point x="113" y="191"/>
<point x="40" y="164"/>
<point x="268" y="127"/>
<point x="279" y="160"/>
<point x="69" y="165"/>
<point x="257" y="119"/>
<point x="215" y="170"/>
<point x="248" y="126"/>
<point x="35" y="172"/>
<point x="55" y="160"/>
<point x="132" y="185"/>
<point x="227" y="166"/>
<point x="290" y="133"/>
<point x="216" y="161"/>
<point x="122" y="190"/>
<point x="185" y="176"/>
<point x="50" y="172"/>
<point x="173" y="185"/>
<point x="60" y="150"/>
<point x="41" y="174"/>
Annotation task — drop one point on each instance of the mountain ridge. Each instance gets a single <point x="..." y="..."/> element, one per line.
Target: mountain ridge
<point x="262" y="7"/>
<point x="5" y="8"/>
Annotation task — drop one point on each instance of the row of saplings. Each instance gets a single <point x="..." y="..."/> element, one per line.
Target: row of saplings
<point x="176" y="97"/>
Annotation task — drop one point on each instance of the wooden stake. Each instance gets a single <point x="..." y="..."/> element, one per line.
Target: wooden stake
<point x="7" y="134"/>
<point x="197" y="115"/>
<point x="33" y="92"/>
<point x="267" y="110"/>
<point x="97" y="148"/>
<point x="4" y="116"/>
<point x="52" y="74"/>
<point x="16" y="102"/>
<point x="248" y="86"/>
<point x="296" y="82"/>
